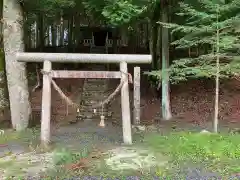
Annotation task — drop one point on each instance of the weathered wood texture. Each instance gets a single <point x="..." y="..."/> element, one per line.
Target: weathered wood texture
<point x="136" y="96"/>
<point x="86" y="74"/>
<point x="83" y="58"/>
<point x="46" y="104"/>
<point x="126" y="118"/>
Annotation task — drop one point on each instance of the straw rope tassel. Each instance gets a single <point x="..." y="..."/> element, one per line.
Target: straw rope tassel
<point x="102" y="119"/>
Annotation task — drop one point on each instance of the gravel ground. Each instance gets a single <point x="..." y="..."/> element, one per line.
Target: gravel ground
<point x="82" y="135"/>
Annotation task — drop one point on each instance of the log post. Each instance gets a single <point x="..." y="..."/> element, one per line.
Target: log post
<point x="136" y="96"/>
<point x="126" y="118"/>
<point x="46" y="104"/>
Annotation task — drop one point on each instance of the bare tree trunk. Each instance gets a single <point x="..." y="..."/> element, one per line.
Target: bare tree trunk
<point x="70" y="33"/>
<point x="16" y="71"/>
<point x="114" y="38"/>
<point x="62" y="32"/>
<point x="153" y="49"/>
<point x="154" y="36"/>
<point x="49" y="40"/>
<point x="159" y="46"/>
<point x="4" y="103"/>
<point x="77" y="32"/>
<point x="54" y="34"/>
<point x="132" y="40"/>
<point x="124" y="36"/>
<point x="40" y="32"/>
<point x="216" y="106"/>
<point x="166" y="110"/>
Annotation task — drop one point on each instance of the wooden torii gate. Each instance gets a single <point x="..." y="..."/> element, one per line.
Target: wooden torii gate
<point x="122" y="59"/>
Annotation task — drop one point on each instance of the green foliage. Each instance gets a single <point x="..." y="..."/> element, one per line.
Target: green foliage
<point x="117" y="12"/>
<point x="217" y="152"/>
<point x="121" y="12"/>
<point x="105" y="12"/>
<point x="64" y="156"/>
<point x="114" y="12"/>
<point x="203" y="18"/>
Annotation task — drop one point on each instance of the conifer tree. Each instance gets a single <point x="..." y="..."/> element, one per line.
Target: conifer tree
<point x="213" y="27"/>
<point x="200" y="31"/>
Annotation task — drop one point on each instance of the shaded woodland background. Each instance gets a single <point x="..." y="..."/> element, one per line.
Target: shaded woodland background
<point x="191" y="101"/>
<point x="66" y="29"/>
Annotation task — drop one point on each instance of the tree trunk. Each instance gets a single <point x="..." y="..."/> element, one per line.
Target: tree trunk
<point x="124" y="36"/>
<point x="114" y="38"/>
<point x="54" y="34"/>
<point x="216" y="105"/>
<point x="154" y="36"/>
<point x="166" y="111"/>
<point x="62" y="32"/>
<point x="4" y="103"/>
<point x="16" y="71"/>
<point x="132" y="40"/>
<point x="40" y="33"/>
<point x="70" y="33"/>
<point x="159" y="47"/>
<point x="49" y="40"/>
<point x="78" y="33"/>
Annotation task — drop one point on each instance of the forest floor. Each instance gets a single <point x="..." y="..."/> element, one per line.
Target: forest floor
<point x="86" y="150"/>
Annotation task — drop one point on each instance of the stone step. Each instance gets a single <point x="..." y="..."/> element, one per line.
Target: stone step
<point x="100" y="87"/>
<point x="97" y="91"/>
<point x="96" y="79"/>
<point x="96" y="83"/>
<point x="94" y="92"/>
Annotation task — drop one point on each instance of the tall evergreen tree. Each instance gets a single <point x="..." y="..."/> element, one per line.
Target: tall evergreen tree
<point x="203" y="19"/>
<point x="212" y="27"/>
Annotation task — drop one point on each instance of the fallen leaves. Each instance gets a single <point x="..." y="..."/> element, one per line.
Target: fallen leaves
<point x="85" y="163"/>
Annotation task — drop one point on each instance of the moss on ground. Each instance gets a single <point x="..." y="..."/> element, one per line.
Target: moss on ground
<point x="211" y="153"/>
<point x="218" y="153"/>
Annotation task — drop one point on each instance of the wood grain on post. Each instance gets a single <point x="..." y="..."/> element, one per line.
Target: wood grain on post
<point x="136" y="96"/>
<point x="126" y="118"/>
<point x="46" y="104"/>
<point x="84" y="58"/>
<point x="86" y="74"/>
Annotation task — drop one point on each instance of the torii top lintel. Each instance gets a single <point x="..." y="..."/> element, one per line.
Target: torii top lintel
<point x="84" y="58"/>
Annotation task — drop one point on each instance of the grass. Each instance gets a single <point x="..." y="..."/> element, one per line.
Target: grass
<point x="65" y="156"/>
<point x="26" y="136"/>
<point x="64" y="159"/>
<point x="26" y="140"/>
<point x="218" y="153"/>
